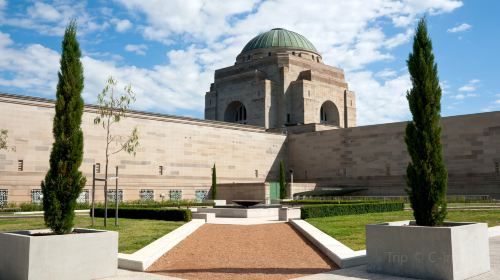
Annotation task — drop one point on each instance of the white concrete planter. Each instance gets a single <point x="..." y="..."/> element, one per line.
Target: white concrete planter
<point x="286" y="214"/>
<point x="87" y="255"/>
<point x="452" y="251"/>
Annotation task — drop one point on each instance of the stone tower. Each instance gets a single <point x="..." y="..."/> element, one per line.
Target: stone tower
<point x="279" y="79"/>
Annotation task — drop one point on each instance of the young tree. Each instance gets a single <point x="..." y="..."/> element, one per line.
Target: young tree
<point x="64" y="182"/>
<point x="426" y="173"/>
<point x="112" y="108"/>
<point x="214" y="183"/>
<point x="282" y="180"/>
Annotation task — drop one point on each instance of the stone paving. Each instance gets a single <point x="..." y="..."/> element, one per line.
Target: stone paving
<point x="359" y="272"/>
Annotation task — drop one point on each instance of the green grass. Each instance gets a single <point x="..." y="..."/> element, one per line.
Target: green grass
<point x="350" y="230"/>
<point x="134" y="233"/>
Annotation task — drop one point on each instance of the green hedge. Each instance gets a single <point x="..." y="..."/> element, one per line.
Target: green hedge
<point x="317" y="201"/>
<point x="327" y="210"/>
<point x="167" y="203"/>
<point x="148" y="213"/>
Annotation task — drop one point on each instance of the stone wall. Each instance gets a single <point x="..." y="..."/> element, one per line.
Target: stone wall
<point x="376" y="157"/>
<point x="185" y="148"/>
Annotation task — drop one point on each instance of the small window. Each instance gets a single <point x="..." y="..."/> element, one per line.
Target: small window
<point x="387" y="170"/>
<point x="36" y="196"/>
<point x="209" y="101"/>
<point x="293" y="53"/>
<point x="201" y="195"/>
<point x="309" y="93"/>
<point x="300" y="54"/>
<point x="112" y="195"/>
<point x="256" y="173"/>
<point x="160" y="169"/>
<point x="268" y="54"/>
<point x="317" y="59"/>
<point x="97" y="168"/>
<point x="305" y="174"/>
<point x="147" y="195"/>
<point x="288" y="118"/>
<point x="175" y="194"/>
<point x="497" y="167"/>
<point x="20" y="165"/>
<point x="248" y="57"/>
<point x="83" y="197"/>
<point x="312" y="57"/>
<point x="3" y="197"/>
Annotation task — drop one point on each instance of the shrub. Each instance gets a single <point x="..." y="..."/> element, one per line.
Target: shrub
<point x="427" y="178"/>
<point x="327" y="210"/>
<point x="149" y="213"/>
<point x="159" y="204"/>
<point x="314" y="201"/>
<point x="63" y="181"/>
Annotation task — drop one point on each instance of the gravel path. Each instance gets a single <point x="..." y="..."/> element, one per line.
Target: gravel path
<point x="270" y="251"/>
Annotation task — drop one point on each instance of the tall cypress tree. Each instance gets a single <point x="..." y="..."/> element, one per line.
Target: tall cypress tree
<point x="64" y="182"/>
<point x="427" y="177"/>
<point x="282" y="179"/>
<point x="214" y="183"/>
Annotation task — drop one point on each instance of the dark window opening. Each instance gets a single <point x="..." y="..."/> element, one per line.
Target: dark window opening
<point x="256" y="173"/>
<point x="268" y="54"/>
<point x="20" y="165"/>
<point x="160" y="169"/>
<point x="497" y="167"/>
<point x="97" y="168"/>
<point x="288" y="118"/>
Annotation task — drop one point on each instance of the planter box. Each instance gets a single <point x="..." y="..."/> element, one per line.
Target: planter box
<point x="452" y="251"/>
<point x="88" y="254"/>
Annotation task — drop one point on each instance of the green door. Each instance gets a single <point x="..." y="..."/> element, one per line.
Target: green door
<point x="274" y="190"/>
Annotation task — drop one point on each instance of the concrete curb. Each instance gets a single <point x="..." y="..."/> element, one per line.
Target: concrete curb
<point x="342" y="255"/>
<point x="145" y="257"/>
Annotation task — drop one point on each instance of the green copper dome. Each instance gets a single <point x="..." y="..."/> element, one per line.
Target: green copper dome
<point x="279" y="38"/>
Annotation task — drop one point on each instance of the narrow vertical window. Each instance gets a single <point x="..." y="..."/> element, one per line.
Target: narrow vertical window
<point x="497" y="167"/>
<point x="20" y="165"/>
<point x="256" y="173"/>
<point x="97" y="168"/>
<point x="160" y="169"/>
<point x="288" y="118"/>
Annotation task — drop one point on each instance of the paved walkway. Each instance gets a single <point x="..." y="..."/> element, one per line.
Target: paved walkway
<point x="266" y="251"/>
<point x="360" y="273"/>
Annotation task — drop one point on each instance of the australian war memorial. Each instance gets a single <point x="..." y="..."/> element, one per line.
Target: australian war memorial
<point x="279" y="102"/>
<point x="279" y="80"/>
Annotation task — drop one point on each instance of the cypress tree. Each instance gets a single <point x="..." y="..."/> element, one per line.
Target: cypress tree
<point x="282" y="180"/>
<point x="214" y="183"/>
<point x="426" y="173"/>
<point x="64" y="182"/>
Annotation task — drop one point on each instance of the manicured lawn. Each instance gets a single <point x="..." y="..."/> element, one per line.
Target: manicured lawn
<point x="350" y="230"/>
<point x="134" y="233"/>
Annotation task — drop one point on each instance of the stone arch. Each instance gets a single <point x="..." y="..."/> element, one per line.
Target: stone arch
<point x="329" y="114"/>
<point x="236" y="112"/>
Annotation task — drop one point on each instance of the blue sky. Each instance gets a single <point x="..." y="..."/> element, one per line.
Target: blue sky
<point x="168" y="52"/>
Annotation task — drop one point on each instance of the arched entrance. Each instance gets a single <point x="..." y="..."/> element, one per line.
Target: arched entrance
<point x="236" y="113"/>
<point x="329" y="114"/>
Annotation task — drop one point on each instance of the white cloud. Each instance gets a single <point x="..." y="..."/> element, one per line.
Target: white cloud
<point x="122" y="25"/>
<point x="216" y="31"/>
<point x="379" y="102"/>
<point x="137" y="49"/>
<point x="470" y="86"/>
<point x="52" y="19"/>
<point x="460" y="28"/>
<point x="44" y="12"/>
<point x="33" y="68"/>
<point x="497" y="101"/>
<point x="386" y="73"/>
